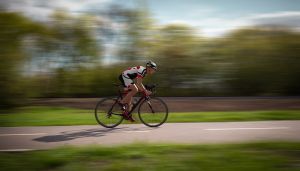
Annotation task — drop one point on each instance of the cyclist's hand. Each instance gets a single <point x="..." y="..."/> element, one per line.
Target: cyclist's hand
<point x="147" y="92"/>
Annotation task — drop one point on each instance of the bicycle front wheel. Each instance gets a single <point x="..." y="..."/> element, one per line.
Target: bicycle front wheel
<point x="153" y="112"/>
<point x="108" y="113"/>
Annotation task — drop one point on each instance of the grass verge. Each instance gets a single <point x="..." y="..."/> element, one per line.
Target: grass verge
<point x="237" y="157"/>
<point x="48" y="116"/>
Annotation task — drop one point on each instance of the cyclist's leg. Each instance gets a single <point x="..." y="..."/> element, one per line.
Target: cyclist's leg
<point x="128" y="97"/>
<point x="128" y="84"/>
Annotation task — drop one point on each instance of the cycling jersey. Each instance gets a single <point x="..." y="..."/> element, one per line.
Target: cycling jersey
<point x="131" y="73"/>
<point x="134" y="72"/>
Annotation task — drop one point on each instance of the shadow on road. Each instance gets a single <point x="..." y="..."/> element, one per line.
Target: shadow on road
<point x="70" y="135"/>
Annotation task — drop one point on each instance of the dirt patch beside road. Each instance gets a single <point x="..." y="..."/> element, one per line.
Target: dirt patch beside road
<point x="191" y="104"/>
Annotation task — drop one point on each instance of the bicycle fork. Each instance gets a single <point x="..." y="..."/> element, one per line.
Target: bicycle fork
<point x="149" y="104"/>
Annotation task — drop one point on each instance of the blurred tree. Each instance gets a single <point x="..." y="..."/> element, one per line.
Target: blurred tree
<point x="72" y="40"/>
<point x="136" y="35"/>
<point x="70" y="46"/>
<point x="177" y="52"/>
<point x="263" y="62"/>
<point x="62" y="56"/>
<point x="66" y="43"/>
<point x="14" y="28"/>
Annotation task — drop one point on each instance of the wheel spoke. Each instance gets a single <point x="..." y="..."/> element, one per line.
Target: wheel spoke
<point x="153" y="113"/>
<point x="108" y="113"/>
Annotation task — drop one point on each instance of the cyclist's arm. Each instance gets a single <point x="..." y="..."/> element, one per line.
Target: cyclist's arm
<point x="139" y="84"/>
<point x="141" y="87"/>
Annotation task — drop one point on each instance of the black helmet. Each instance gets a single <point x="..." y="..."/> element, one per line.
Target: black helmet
<point x="151" y="65"/>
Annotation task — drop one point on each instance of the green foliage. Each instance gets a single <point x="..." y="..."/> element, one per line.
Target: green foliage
<point x="74" y="38"/>
<point x="67" y="43"/>
<point x="14" y="28"/>
<point x="263" y="62"/>
<point x="66" y="55"/>
<point x="178" y="59"/>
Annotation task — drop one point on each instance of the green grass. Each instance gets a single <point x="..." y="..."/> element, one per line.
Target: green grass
<point x="47" y="116"/>
<point x="151" y="157"/>
<point x="235" y="116"/>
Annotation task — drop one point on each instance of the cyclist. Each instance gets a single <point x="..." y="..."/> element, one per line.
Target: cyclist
<point x="132" y="81"/>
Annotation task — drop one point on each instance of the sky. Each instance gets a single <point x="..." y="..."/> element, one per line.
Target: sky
<point x="211" y="18"/>
<point x="216" y="17"/>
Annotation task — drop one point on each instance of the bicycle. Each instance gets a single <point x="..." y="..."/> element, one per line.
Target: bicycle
<point x="152" y="111"/>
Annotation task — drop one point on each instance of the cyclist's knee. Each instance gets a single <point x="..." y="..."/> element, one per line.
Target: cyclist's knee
<point x="134" y="89"/>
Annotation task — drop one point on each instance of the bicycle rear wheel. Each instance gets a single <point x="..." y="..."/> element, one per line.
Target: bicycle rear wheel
<point x="153" y="112"/>
<point x="108" y="113"/>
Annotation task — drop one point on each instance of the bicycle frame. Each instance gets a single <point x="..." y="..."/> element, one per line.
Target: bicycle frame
<point x="143" y="104"/>
<point x="135" y="105"/>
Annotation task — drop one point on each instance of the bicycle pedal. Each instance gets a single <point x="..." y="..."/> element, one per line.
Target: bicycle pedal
<point x="128" y="117"/>
<point x="123" y="107"/>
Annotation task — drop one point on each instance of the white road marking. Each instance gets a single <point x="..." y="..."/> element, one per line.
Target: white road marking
<point x="12" y="150"/>
<point x="232" y="129"/>
<point x="2" y="135"/>
<point x="135" y="131"/>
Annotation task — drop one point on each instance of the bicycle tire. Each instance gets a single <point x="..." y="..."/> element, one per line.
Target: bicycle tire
<point x="157" y="115"/>
<point x="108" y="113"/>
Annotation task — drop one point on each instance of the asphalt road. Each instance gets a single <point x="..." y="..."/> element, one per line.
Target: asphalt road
<point x="33" y="138"/>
